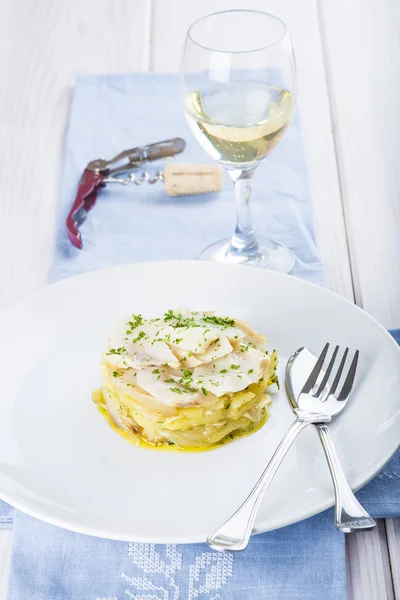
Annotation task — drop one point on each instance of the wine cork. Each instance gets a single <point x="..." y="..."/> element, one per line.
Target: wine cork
<point x="182" y="180"/>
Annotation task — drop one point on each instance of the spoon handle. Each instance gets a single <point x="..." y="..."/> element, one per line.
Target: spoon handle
<point x="235" y="533"/>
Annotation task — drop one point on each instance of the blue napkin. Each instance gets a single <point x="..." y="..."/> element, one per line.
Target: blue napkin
<point x="109" y="114"/>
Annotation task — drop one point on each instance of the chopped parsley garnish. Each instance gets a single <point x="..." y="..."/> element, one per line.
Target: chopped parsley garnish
<point x="274" y="379"/>
<point x="190" y="353"/>
<point x="223" y="370"/>
<point x="116" y="350"/>
<point x="250" y="371"/>
<point x="170" y="380"/>
<point x="228" y="406"/>
<point x="203" y="389"/>
<point x="185" y="323"/>
<point x="206" y="331"/>
<point x="170" y="443"/>
<point x="235" y="367"/>
<point x="137" y="320"/>
<point x="116" y="374"/>
<point x="222" y="321"/>
<point x="186" y="390"/>
<point x="178" y="340"/>
<point x="186" y="374"/>
<point x="156" y="372"/>
<point x="168" y="315"/>
<point x="139" y="337"/>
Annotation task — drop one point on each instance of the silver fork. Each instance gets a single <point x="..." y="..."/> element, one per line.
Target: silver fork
<point x="349" y="515"/>
<point x="318" y="402"/>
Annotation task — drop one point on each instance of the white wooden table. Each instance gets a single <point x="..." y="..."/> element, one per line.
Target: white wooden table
<point x="349" y="61"/>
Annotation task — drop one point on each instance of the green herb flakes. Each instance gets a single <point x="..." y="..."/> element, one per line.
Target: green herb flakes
<point x="137" y="320"/>
<point x="222" y="321"/>
<point x="140" y="336"/>
<point x="117" y="350"/>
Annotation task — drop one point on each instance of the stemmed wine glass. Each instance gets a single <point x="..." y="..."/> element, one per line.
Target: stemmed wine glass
<point x="238" y="87"/>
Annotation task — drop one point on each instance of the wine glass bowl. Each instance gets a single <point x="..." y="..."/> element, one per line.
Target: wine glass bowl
<point x="238" y="89"/>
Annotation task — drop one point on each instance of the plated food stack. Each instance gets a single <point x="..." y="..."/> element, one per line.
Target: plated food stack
<point x="189" y="379"/>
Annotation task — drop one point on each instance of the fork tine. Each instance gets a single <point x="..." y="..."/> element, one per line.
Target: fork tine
<point x="339" y="373"/>
<point x="348" y="383"/>
<point x="312" y="378"/>
<point x="325" y="380"/>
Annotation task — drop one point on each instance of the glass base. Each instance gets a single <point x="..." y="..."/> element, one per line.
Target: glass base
<point x="265" y="254"/>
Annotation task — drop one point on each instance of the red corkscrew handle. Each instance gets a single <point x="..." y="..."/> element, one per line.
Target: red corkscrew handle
<point x="85" y="199"/>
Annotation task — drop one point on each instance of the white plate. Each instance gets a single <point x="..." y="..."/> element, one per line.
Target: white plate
<point x="60" y="461"/>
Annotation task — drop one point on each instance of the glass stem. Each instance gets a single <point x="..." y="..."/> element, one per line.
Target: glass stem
<point x="243" y="240"/>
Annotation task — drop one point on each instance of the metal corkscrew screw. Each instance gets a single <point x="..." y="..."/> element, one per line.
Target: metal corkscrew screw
<point x="179" y="180"/>
<point x="137" y="179"/>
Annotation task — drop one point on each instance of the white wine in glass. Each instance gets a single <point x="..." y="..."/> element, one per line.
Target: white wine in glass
<point x="238" y="94"/>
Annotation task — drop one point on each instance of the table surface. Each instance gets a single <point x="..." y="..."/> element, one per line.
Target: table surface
<point x="349" y="62"/>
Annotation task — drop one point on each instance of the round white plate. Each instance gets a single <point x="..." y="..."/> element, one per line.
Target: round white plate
<point x="61" y="462"/>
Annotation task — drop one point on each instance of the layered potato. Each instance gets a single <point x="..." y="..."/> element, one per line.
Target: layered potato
<point x="188" y="380"/>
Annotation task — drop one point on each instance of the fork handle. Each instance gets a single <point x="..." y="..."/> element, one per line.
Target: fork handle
<point x="349" y="514"/>
<point x="235" y="533"/>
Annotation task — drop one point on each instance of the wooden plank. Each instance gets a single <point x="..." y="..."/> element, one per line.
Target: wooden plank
<point x="393" y="538"/>
<point x="5" y="552"/>
<point x="368" y="570"/>
<point x="363" y="62"/>
<point x="44" y="45"/>
<point x="358" y="60"/>
<point x="170" y="23"/>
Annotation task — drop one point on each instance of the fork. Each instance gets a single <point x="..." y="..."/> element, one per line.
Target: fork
<point x="349" y="515"/>
<point x="318" y="402"/>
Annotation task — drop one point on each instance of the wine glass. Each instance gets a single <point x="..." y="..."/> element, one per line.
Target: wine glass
<point x="238" y="86"/>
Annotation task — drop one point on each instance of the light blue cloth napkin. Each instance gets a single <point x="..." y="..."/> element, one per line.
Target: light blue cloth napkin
<point x="306" y="560"/>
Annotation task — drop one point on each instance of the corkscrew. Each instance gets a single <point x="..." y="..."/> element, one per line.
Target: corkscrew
<point x="178" y="179"/>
